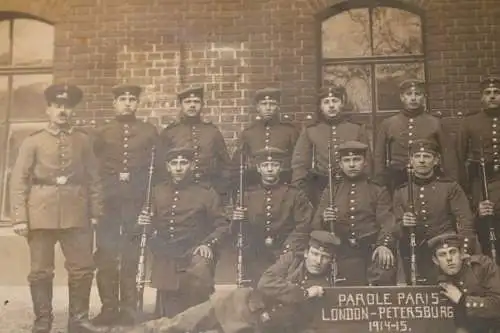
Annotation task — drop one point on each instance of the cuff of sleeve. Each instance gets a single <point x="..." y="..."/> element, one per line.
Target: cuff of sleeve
<point x="212" y="243"/>
<point x="473" y="302"/>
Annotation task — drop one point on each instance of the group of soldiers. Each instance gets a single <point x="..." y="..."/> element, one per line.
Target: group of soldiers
<point x="312" y="209"/>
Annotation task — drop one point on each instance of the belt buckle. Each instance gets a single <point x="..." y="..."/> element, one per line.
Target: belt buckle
<point x="124" y="177"/>
<point x="353" y="242"/>
<point x="269" y="241"/>
<point x="61" y="180"/>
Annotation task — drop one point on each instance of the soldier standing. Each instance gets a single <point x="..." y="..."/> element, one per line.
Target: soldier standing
<point x="480" y="135"/>
<point x="123" y="148"/>
<point x="440" y="206"/>
<point x="362" y="218"/>
<point x="310" y="157"/>
<point x="471" y="283"/>
<point x="189" y="221"/>
<point x="399" y="132"/>
<point x="268" y="131"/>
<point x="55" y="196"/>
<point x="211" y="163"/>
<point x="277" y="216"/>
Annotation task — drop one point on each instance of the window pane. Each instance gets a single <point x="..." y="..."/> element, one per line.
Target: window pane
<point x="17" y="133"/>
<point x="28" y="101"/>
<point x="388" y="79"/>
<point x="4" y="43"/>
<point x="4" y="97"/>
<point x="396" y="32"/>
<point x="347" y="34"/>
<point x="356" y="79"/>
<point x="33" y="43"/>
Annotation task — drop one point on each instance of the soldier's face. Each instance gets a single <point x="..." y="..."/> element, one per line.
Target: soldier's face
<point x="59" y="113"/>
<point x="317" y="261"/>
<point x="267" y="108"/>
<point x="413" y="99"/>
<point x="449" y="260"/>
<point x="423" y="163"/>
<point x="331" y="106"/>
<point x="491" y="98"/>
<point x="191" y="106"/>
<point x="352" y="165"/>
<point x="178" y="168"/>
<point x="125" y="104"/>
<point x="269" y="171"/>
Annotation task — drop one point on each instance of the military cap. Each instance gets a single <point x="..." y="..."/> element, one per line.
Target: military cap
<point x="412" y="84"/>
<point x="125" y="89"/>
<point x="186" y="152"/>
<point x="424" y="145"/>
<point x="352" y="148"/>
<point x="324" y="240"/>
<point x="333" y="91"/>
<point x="68" y="95"/>
<point x="490" y="82"/>
<point x="445" y="240"/>
<point x="190" y="92"/>
<point x="269" y="154"/>
<point x="268" y="94"/>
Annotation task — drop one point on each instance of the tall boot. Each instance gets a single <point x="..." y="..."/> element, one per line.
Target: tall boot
<point x="128" y="299"/>
<point x="41" y="295"/>
<point x="79" y="297"/>
<point x="107" y="285"/>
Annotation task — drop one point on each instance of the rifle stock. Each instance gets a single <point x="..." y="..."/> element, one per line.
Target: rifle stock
<point x="486" y="196"/>
<point x="240" y="278"/>
<point x="411" y="205"/>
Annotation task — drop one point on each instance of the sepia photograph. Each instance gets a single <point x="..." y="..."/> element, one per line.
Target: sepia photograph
<point x="249" y="166"/>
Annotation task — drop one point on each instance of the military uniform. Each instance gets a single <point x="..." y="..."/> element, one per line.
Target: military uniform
<point x="478" y="310"/>
<point x="56" y="190"/>
<point x="185" y="216"/>
<point x="279" y="219"/>
<point x="212" y="164"/>
<point x="440" y="206"/>
<point x="364" y="222"/>
<point x="272" y="307"/>
<point x="310" y="157"/>
<point x="397" y="133"/>
<point x="481" y="131"/>
<point x="267" y="133"/>
<point x="124" y="148"/>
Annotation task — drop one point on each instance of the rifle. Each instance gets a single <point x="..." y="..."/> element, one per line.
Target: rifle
<point x="334" y="267"/>
<point x="413" y="241"/>
<point x="140" y="278"/>
<point x="486" y="196"/>
<point x="240" y="281"/>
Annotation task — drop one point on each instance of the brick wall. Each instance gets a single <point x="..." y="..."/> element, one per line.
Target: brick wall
<point x="235" y="47"/>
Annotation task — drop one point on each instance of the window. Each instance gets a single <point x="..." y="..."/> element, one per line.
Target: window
<point x="370" y="47"/>
<point x="26" y="65"/>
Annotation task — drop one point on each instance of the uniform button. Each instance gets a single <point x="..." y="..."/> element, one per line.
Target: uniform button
<point x="126" y="125"/>
<point x="126" y="132"/>
<point x="352" y="209"/>
<point x="125" y="145"/>
<point x="421" y="196"/>
<point x="352" y="225"/>
<point x="334" y="127"/>
<point x="268" y="199"/>
<point x="334" y="133"/>
<point x="352" y="192"/>
<point x="494" y="125"/>
<point x="495" y="119"/>
<point x="268" y="229"/>
<point x="125" y="161"/>
<point x="174" y="206"/>
<point x="125" y="139"/>
<point x="495" y="146"/>
<point x="411" y="120"/>
<point x="352" y="201"/>
<point x="410" y="134"/>
<point x="410" y="142"/>
<point x="172" y="221"/>
<point x="125" y="153"/>
<point x="173" y="214"/>
<point x="494" y="132"/>
<point x="424" y="211"/>
<point x="335" y="146"/>
<point x="266" y="140"/>
<point x="465" y="290"/>
<point x="422" y="188"/>
<point x="495" y="139"/>
<point x="176" y="192"/>
<point x="268" y="222"/>
<point x="334" y="139"/>
<point x="353" y="185"/>
<point x="268" y="207"/>
<point x="427" y="226"/>
<point x="352" y="217"/>
<point x="410" y="127"/>
<point x="171" y="228"/>
<point x="175" y="199"/>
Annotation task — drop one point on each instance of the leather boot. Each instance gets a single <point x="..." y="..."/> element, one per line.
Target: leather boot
<point x="107" y="285"/>
<point x="41" y="295"/>
<point x="79" y="297"/>
<point x="128" y="300"/>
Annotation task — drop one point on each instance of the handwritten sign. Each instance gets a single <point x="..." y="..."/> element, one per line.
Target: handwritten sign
<point x="384" y="310"/>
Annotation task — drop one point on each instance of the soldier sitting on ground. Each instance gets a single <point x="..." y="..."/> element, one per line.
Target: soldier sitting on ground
<point x="471" y="283"/>
<point x="290" y="287"/>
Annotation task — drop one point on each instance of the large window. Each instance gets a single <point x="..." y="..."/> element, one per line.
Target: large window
<point x="370" y="47"/>
<point x="26" y="60"/>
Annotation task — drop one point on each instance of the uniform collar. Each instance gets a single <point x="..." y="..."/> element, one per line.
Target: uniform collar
<point x="339" y="118"/>
<point x="360" y="178"/>
<point x="412" y="113"/>
<point x="190" y="120"/>
<point x="492" y="112"/>
<point x="126" y="118"/>
<point x="56" y="130"/>
<point x="425" y="181"/>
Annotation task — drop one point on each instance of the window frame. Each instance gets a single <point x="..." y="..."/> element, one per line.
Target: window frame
<point x="7" y="123"/>
<point x="372" y="61"/>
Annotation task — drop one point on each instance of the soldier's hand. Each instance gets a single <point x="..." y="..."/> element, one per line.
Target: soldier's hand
<point x="384" y="257"/>
<point x="21" y="229"/>
<point x="144" y="218"/>
<point x="330" y="214"/>
<point x="239" y="214"/>
<point x="451" y="291"/>
<point x="486" y="208"/>
<point x="315" y="291"/>
<point x="205" y="251"/>
<point x="409" y="220"/>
